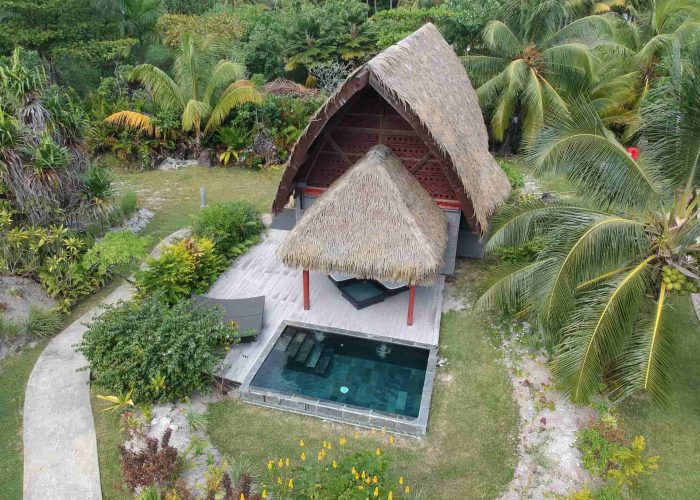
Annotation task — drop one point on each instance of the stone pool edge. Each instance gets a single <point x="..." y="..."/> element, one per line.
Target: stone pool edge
<point x="343" y="413"/>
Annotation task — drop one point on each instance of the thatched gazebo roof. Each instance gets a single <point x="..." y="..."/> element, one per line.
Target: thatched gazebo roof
<point x="422" y="75"/>
<point x="376" y="221"/>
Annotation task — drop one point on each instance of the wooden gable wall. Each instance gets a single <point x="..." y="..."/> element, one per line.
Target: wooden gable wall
<point x="367" y="121"/>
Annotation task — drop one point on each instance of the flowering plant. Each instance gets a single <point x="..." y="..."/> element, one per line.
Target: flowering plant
<point x="333" y="472"/>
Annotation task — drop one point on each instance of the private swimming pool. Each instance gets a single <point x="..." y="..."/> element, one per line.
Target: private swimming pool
<point x="343" y="376"/>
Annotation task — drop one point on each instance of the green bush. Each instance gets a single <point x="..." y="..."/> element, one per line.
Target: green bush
<point x="43" y="322"/>
<point x="517" y="180"/>
<point x="527" y="252"/>
<point x="189" y="266"/>
<point x="233" y="227"/>
<point x="128" y="203"/>
<point x="161" y="353"/>
<point x="8" y="328"/>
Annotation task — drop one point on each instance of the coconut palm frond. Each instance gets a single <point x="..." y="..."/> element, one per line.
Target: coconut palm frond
<point x="516" y="74"/>
<point x="645" y="55"/>
<point x="482" y="68"/>
<point x="583" y="247"/>
<point x="164" y="89"/>
<point x="589" y="30"/>
<point x="513" y="225"/>
<point x="533" y="106"/>
<point x="194" y="114"/>
<point x="646" y="357"/>
<point x="238" y="93"/>
<point x="222" y="75"/>
<point x="603" y="318"/>
<point x="580" y="146"/>
<point x="489" y="91"/>
<point x="569" y="65"/>
<point x="133" y="119"/>
<point x="508" y="287"/>
<point x="500" y="39"/>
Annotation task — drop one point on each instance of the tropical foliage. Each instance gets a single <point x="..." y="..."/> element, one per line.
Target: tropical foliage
<point x="613" y="265"/>
<point x="125" y="345"/>
<point x="204" y="90"/>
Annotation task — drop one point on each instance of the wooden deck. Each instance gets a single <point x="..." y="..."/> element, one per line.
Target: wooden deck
<point x="259" y="272"/>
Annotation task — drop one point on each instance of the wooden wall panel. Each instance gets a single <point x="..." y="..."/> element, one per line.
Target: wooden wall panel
<point x="371" y="121"/>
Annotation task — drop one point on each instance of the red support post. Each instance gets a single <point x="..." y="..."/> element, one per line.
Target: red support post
<point x="411" y="301"/>
<point x="307" y="303"/>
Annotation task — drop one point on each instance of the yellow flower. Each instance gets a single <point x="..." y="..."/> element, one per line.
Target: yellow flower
<point x="383" y="430"/>
<point x="353" y="470"/>
<point x="303" y="456"/>
<point x="334" y="464"/>
<point x="286" y="462"/>
<point x="363" y="475"/>
<point x="378" y="451"/>
<point x="357" y="476"/>
<point x="360" y="487"/>
<point x="390" y="496"/>
<point x="242" y="496"/>
<point x="375" y="479"/>
<point x="368" y="480"/>
<point x="374" y="432"/>
<point x="279" y="480"/>
<point x="264" y="493"/>
<point x="269" y="464"/>
<point x="392" y="439"/>
<point x="407" y="489"/>
<point x="319" y="456"/>
<point x="290" y="485"/>
<point x="376" y="491"/>
<point x="280" y="463"/>
<point x="357" y="434"/>
<point x="342" y="441"/>
<point x="329" y="445"/>
<point x="301" y="443"/>
<point x="401" y="480"/>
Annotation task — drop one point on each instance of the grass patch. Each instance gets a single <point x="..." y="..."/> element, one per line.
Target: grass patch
<point x="174" y="194"/>
<point x="552" y="183"/>
<point x="109" y="437"/>
<point x="14" y="374"/>
<point x="470" y="449"/>
<point x="673" y="432"/>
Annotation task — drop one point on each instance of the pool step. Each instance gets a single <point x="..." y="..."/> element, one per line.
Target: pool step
<point x="325" y="361"/>
<point x="305" y="349"/>
<point x="315" y="355"/>
<point x="295" y="344"/>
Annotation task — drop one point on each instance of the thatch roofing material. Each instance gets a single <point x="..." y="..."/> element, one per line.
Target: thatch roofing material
<point x="424" y="74"/>
<point x="376" y="221"/>
<point x="284" y="87"/>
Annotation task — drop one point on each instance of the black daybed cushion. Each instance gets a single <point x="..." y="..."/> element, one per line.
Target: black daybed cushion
<point x="247" y="313"/>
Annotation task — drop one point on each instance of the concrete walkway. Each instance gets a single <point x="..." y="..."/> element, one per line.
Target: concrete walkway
<point x="60" y="447"/>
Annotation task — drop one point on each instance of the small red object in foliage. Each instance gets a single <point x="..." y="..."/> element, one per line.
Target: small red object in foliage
<point x="633" y="152"/>
<point x="543" y="421"/>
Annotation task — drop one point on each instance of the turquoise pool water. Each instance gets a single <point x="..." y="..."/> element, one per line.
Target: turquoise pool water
<point x="346" y="370"/>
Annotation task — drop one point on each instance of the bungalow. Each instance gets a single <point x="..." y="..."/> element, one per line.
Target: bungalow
<point x="388" y="171"/>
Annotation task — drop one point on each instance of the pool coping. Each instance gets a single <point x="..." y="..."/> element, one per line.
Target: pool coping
<point x="338" y="412"/>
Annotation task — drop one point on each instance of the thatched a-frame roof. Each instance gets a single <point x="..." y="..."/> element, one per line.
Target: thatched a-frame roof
<point x="424" y="80"/>
<point x="376" y="221"/>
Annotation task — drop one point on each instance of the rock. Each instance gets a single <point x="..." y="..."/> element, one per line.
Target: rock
<point x="137" y="222"/>
<point x="176" y="164"/>
<point x="204" y="158"/>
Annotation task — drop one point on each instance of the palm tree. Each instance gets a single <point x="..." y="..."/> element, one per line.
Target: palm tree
<point x="533" y="60"/>
<point x="139" y="19"/>
<point x="204" y="89"/>
<point x="360" y="40"/>
<point x="601" y="288"/>
<point x="307" y="45"/>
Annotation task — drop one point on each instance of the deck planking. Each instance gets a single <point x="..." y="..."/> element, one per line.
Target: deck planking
<point x="260" y="272"/>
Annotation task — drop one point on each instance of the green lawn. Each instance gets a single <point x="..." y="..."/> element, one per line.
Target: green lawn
<point x="109" y="437"/>
<point x="174" y="195"/>
<point x="14" y="374"/>
<point x="673" y="432"/>
<point x="470" y="449"/>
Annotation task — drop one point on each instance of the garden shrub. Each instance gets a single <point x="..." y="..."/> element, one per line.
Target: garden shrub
<point x="233" y="226"/>
<point x="129" y="203"/>
<point x="527" y="252"/>
<point x="187" y="267"/>
<point x="156" y="463"/>
<point x="159" y="352"/>
<point x="517" y="180"/>
<point x="42" y="322"/>
<point x="608" y="454"/>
